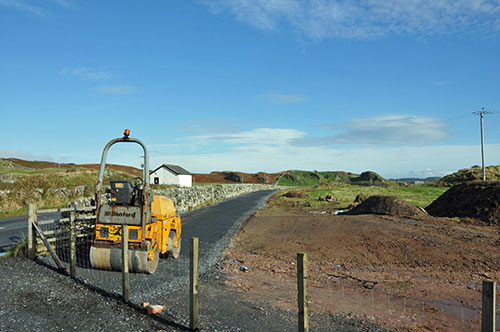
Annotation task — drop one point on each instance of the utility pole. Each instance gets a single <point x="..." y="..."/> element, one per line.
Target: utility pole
<point x="481" y="114"/>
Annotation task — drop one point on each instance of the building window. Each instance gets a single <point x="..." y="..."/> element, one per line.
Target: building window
<point x="157" y="180"/>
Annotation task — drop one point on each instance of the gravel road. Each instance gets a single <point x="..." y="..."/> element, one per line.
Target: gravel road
<point x="37" y="298"/>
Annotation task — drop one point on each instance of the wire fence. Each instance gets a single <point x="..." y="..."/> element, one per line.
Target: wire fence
<point x="69" y="232"/>
<point x="62" y="228"/>
<point x="330" y="297"/>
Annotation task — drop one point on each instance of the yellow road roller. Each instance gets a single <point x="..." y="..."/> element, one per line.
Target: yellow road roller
<point x="154" y="227"/>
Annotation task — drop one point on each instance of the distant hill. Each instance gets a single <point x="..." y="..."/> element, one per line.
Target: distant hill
<point x="13" y="167"/>
<point x="237" y="177"/>
<point x="308" y="178"/>
<point x="50" y="184"/>
<point x="17" y="174"/>
<point x="295" y="178"/>
<point x="475" y="173"/>
<point x="48" y="164"/>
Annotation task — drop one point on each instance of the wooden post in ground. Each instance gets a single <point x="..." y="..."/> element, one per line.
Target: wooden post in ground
<point x="31" y="231"/>
<point x="193" y="288"/>
<point x="125" y="274"/>
<point x="52" y="253"/>
<point x="488" y="310"/>
<point x="302" y="291"/>
<point x="72" y="269"/>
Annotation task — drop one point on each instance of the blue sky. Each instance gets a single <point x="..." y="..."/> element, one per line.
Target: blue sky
<point x="381" y="85"/>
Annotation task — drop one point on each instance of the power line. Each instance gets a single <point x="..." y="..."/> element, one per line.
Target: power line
<point x="481" y="116"/>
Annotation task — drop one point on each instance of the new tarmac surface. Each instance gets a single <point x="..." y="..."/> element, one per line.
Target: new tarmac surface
<point x="213" y="225"/>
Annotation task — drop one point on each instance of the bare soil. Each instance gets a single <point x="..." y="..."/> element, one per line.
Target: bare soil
<point x="407" y="274"/>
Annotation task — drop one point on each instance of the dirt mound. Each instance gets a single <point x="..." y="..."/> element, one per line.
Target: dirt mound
<point x="388" y="205"/>
<point x="294" y="194"/>
<point x="478" y="200"/>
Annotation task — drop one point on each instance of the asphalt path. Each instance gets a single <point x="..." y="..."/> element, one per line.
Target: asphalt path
<point x="213" y="225"/>
<point x="13" y="230"/>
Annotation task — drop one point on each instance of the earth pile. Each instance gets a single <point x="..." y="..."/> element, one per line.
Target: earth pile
<point x="388" y="205"/>
<point x="477" y="200"/>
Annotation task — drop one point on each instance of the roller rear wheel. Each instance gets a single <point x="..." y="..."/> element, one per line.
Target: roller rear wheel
<point x="110" y="258"/>
<point x="173" y="252"/>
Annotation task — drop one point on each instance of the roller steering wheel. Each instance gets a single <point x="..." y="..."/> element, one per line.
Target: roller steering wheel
<point x="138" y="183"/>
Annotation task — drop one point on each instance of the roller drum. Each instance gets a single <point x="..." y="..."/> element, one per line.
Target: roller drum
<point x="110" y="258"/>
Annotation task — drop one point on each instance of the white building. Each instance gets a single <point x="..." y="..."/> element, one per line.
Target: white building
<point x="171" y="174"/>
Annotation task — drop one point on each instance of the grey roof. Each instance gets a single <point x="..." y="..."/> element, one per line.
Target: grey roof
<point x="174" y="169"/>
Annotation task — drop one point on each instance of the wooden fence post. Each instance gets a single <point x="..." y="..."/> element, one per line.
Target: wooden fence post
<point x="125" y="274"/>
<point x="73" y="244"/>
<point x="193" y="288"/>
<point x="31" y="231"/>
<point x="302" y="291"/>
<point x="488" y="310"/>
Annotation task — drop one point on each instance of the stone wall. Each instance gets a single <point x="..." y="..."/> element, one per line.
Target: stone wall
<point x="189" y="198"/>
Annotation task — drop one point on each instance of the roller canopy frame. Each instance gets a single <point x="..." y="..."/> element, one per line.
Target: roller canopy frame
<point x="105" y="155"/>
<point x="145" y="190"/>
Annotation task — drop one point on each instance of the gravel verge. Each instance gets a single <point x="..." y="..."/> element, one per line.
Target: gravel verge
<point x="37" y="298"/>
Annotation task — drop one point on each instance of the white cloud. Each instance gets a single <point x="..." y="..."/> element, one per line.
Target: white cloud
<point x="63" y="3"/>
<point x="24" y="7"/>
<point x="118" y="89"/>
<point x="406" y="151"/>
<point x="262" y="14"/>
<point x="394" y="162"/>
<point x="38" y="8"/>
<point x="261" y="140"/>
<point x="259" y="136"/>
<point x="318" y="19"/>
<point x="276" y="149"/>
<point x="280" y="98"/>
<point x="85" y="73"/>
<point x="384" y="130"/>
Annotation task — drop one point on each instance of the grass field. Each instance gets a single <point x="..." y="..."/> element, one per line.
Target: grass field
<point x="37" y="185"/>
<point x="345" y="195"/>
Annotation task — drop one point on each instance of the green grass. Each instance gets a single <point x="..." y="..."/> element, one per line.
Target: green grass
<point x="7" y="167"/>
<point x="346" y="193"/>
<point x="20" y="250"/>
<point x="14" y="212"/>
<point x="474" y="173"/>
<point x="27" y="182"/>
<point x="29" y="171"/>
